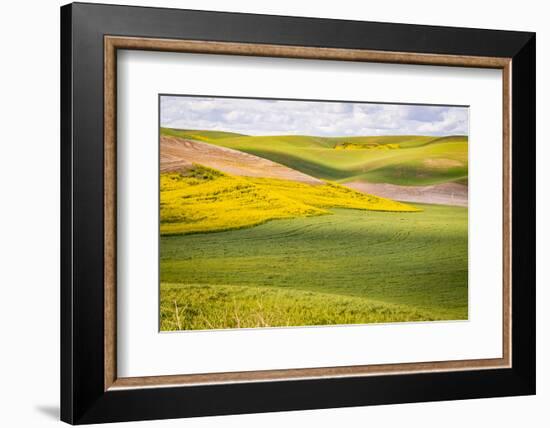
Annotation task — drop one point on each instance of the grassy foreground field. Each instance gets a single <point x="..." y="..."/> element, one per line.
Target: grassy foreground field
<point x="353" y="266"/>
<point x="198" y="306"/>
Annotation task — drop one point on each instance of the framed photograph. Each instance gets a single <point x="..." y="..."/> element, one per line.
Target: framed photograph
<point x="266" y="213"/>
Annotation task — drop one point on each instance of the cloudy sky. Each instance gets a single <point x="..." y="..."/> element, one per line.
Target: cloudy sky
<point x="274" y="117"/>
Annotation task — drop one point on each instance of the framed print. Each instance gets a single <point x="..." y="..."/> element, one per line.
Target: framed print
<point x="265" y="213"/>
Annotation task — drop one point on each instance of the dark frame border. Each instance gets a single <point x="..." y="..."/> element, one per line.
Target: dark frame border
<point x="83" y="398"/>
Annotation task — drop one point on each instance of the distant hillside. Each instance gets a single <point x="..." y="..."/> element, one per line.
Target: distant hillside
<point x="198" y="134"/>
<point x="413" y="159"/>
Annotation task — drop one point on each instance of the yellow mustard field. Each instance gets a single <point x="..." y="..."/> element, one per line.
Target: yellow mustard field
<point x="373" y="146"/>
<point x="206" y="200"/>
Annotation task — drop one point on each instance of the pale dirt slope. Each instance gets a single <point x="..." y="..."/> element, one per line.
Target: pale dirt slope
<point x="178" y="154"/>
<point x="443" y="194"/>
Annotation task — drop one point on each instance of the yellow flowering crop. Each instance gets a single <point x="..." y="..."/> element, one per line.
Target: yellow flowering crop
<point x="206" y="200"/>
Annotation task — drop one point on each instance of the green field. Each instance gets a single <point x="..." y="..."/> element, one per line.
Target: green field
<point x="412" y="160"/>
<point x="352" y="266"/>
<point x="240" y="252"/>
<point x="199" y="135"/>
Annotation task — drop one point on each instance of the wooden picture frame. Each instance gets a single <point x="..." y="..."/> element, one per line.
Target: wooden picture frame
<point x="91" y="390"/>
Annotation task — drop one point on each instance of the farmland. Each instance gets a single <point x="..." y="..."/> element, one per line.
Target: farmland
<point x="202" y="199"/>
<point x="411" y="168"/>
<point x="272" y="231"/>
<point x="410" y="160"/>
<point x="349" y="267"/>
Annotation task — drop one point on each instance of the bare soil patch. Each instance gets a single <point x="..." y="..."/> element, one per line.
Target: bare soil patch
<point x="443" y="194"/>
<point x="442" y="163"/>
<point x="178" y="154"/>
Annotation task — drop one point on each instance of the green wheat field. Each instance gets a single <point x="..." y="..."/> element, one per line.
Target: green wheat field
<point x="300" y="241"/>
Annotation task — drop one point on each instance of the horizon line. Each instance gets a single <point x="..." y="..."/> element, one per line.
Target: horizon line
<point x="316" y="136"/>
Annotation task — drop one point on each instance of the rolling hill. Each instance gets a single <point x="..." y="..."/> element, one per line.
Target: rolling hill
<point x="178" y="154"/>
<point x="199" y="135"/>
<point x="272" y="231"/>
<point x="399" y="160"/>
<point x="201" y="199"/>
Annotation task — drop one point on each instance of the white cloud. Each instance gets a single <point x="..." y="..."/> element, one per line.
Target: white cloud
<point x="280" y="117"/>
